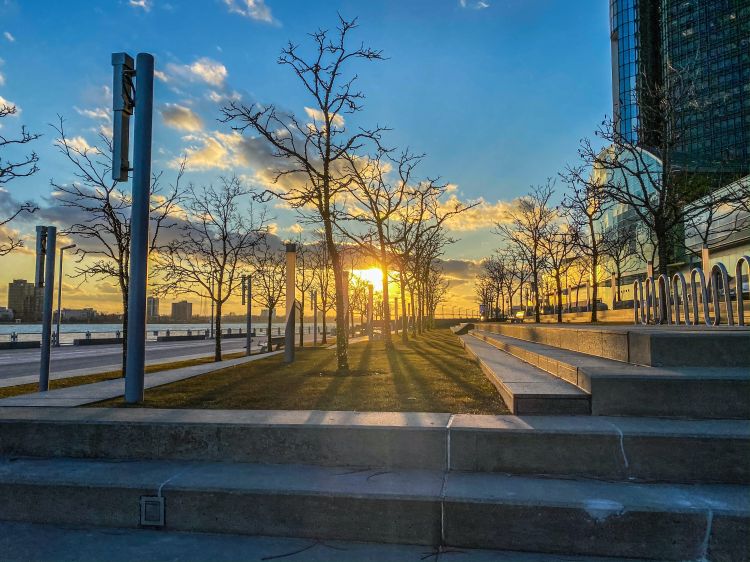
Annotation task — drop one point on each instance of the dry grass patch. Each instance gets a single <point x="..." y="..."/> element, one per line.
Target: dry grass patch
<point x="432" y="373"/>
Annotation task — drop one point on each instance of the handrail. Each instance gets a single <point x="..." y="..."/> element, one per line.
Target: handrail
<point x="653" y="298"/>
<point x="738" y="284"/>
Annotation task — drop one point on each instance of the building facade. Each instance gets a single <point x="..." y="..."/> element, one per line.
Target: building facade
<point x="25" y="300"/>
<point x="182" y="311"/>
<point x="152" y="308"/>
<point x="705" y="43"/>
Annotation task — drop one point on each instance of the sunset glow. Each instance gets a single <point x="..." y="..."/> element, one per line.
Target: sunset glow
<point x="372" y="276"/>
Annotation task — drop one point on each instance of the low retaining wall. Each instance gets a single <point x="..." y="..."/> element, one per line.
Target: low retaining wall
<point x="181" y="338"/>
<point x="19" y="345"/>
<point x="97" y="341"/>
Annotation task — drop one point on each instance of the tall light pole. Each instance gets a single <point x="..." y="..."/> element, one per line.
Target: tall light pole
<point x="46" y="237"/>
<point x="247" y="295"/>
<point x="124" y="104"/>
<point x="59" y="291"/>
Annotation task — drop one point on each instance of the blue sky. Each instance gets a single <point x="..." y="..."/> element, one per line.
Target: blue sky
<point x="497" y="93"/>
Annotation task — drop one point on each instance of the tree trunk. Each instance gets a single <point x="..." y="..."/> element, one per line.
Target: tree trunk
<point x="217" y="332"/>
<point x="270" y="316"/>
<point x="404" y="316"/>
<point x="594" y="286"/>
<point x="302" y="320"/>
<point x="324" y="339"/>
<point x="386" y="298"/>
<point x="558" y="284"/>
<point x="535" y="292"/>
<point x="342" y="325"/>
<point x="413" y="319"/>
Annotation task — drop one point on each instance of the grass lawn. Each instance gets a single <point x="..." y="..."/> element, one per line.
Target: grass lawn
<point x="430" y="374"/>
<point x="17" y="390"/>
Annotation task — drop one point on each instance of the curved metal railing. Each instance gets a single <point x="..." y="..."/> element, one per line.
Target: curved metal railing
<point x="653" y="300"/>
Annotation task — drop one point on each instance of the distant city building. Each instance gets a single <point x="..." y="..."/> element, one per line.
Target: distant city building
<point x="71" y="315"/>
<point x="182" y="311"/>
<point x="264" y="313"/>
<point x="152" y="307"/>
<point x="25" y="300"/>
<point x="6" y="314"/>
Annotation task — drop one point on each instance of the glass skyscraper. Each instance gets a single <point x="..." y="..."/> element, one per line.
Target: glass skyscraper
<point x="704" y="41"/>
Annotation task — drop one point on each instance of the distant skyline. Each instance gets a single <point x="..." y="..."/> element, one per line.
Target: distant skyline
<point x="496" y="93"/>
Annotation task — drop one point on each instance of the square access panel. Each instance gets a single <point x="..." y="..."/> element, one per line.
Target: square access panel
<point x="152" y="511"/>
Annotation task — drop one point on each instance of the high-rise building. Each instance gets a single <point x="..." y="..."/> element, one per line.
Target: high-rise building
<point x="152" y="308"/>
<point x="182" y="311"/>
<point x="704" y="42"/>
<point x="25" y="300"/>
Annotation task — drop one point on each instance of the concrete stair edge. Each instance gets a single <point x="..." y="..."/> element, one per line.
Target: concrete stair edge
<point x="415" y="507"/>
<point x="608" y="381"/>
<point x="617" y="448"/>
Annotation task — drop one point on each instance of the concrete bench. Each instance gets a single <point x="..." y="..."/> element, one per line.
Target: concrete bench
<point x="278" y="341"/>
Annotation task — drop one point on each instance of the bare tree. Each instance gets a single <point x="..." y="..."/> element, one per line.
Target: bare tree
<point x="311" y="155"/>
<point x="100" y="208"/>
<point x="526" y="230"/>
<point x="662" y="188"/>
<point x="619" y="246"/>
<point x="304" y="280"/>
<point x="215" y="242"/>
<point x="11" y="169"/>
<point x="585" y="204"/>
<point x="269" y="273"/>
<point x="323" y="282"/>
<point x="377" y="200"/>
<point x="559" y="244"/>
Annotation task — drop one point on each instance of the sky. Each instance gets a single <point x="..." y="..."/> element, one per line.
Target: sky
<point x="496" y="93"/>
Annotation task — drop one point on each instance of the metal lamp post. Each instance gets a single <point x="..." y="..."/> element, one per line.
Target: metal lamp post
<point x="124" y="104"/>
<point x="59" y="291"/>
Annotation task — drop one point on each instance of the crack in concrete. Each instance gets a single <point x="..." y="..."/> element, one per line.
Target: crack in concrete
<point x="622" y="448"/>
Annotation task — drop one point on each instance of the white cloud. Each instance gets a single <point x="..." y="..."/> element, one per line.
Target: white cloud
<point x="317" y="115"/>
<point x="181" y="118"/>
<point x="221" y="97"/>
<point x="204" y="69"/>
<point x="474" y="4"/>
<point x="8" y="103"/>
<point x="485" y="215"/>
<point x="161" y="76"/>
<point x="80" y="144"/>
<point x="253" y="9"/>
<point x="145" y="5"/>
<point x="9" y="36"/>
<point x="296" y="228"/>
<point x="2" y="79"/>
<point x="94" y="113"/>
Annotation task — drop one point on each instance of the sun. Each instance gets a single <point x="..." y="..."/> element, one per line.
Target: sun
<point x="372" y="276"/>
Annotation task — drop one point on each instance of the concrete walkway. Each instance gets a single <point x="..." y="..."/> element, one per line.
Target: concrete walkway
<point x="20" y="542"/>
<point x="96" y="392"/>
<point x="69" y="373"/>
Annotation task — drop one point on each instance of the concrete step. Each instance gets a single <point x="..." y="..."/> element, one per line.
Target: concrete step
<point x="431" y="508"/>
<point x="622" y="389"/>
<point x="609" y="448"/>
<point x="276" y="500"/>
<point x="525" y="389"/>
<point x="673" y="522"/>
<point x="354" y="439"/>
<point x="463" y="328"/>
<point x="21" y="542"/>
<point x="615" y="448"/>
<point x="654" y="346"/>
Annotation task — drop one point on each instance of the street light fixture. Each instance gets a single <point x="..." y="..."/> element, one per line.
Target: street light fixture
<point x="59" y="291"/>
